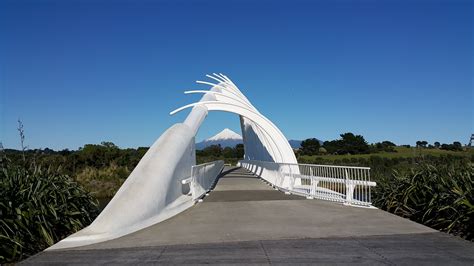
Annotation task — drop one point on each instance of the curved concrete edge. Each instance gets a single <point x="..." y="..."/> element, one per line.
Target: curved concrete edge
<point x="152" y="193"/>
<point x="83" y="238"/>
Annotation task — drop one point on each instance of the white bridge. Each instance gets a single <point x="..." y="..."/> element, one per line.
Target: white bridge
<point x="167" y="180"/>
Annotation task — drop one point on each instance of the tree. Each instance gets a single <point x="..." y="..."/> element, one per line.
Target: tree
<point x="386" y="146"/>
<point x="421" y="144"/>
<point x="388" y="143"/>
<point x="354" y="144"/>
<point x="333" y="146"/>
<point x="239" y="151"/>
<point x="457" y="146"/>
<point x="310" y="147"/>
<point x="445" y="146"/>
<point x="349" y="143"/>
<point x="109" y="144"/>
<point x="437" y="144"/>
<point x="228" y="152"/>
<point x="213" y="150"/>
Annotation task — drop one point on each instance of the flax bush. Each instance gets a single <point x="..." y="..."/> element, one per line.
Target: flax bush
<point x="38" y="207"/>
<point x="440" y="196"/>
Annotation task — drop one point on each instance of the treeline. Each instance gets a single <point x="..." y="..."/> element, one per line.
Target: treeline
<point x="102" y="168"/>
<point x="107" y="154"/>
<point x="347" y="144"/>
<point x="218" y="151"/>
<point x="90" y="155"/>
<point x="455" y="146"/>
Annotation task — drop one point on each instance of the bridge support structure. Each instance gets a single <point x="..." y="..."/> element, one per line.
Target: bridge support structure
<point x="154" y="190"/>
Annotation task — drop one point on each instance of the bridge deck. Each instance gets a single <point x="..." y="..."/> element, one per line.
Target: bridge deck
<point x="243" y="220"/>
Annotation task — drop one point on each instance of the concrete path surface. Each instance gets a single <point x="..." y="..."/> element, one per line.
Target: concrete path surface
<point x="245" y="221"/>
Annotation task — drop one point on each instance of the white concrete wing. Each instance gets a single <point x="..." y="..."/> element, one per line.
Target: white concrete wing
<point x="154" y="190"/>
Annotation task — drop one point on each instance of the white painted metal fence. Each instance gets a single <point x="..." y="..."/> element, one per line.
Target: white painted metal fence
<point x="346" y="184"/>
<point x="203" y="177"/>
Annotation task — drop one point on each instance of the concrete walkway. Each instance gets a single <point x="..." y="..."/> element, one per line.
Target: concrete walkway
<point x="243" y="220"/>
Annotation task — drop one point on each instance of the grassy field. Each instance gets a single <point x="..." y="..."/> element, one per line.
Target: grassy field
<point x="400" y="152"/>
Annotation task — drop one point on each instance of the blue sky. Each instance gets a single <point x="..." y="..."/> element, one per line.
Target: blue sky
<point x="78" y="72"/>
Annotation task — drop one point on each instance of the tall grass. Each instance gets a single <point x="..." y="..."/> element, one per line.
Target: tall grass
<point x="38" y="207"/>
<point x="103" y="182"/>
<point x="440" y="196"/>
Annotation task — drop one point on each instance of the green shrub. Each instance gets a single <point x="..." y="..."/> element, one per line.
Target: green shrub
<point x="440" y="196"/>
<point x="38" y="207"/>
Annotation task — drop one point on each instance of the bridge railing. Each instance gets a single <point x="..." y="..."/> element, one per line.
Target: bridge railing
<point x="203" y="177"/>
<point x="346" y="184"/>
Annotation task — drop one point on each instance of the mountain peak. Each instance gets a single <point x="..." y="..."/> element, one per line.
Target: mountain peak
<point x="225" y="134"/>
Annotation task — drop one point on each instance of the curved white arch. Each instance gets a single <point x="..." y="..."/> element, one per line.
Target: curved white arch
<point x="230" y="86"/>
<point x="256" y="117"/>
<point x="153" y="191"/>
<point x="284" y="151"/>
<point x="217" y="94"/>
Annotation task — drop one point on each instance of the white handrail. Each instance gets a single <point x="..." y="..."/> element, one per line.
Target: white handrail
<point x="347" y="184"/>
<point x="335" y="166"/>
<point x="203" y="178"/>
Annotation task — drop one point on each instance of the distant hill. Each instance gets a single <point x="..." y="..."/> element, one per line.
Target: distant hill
<point x="295" y="144"/>
<point x="225" y="138"/>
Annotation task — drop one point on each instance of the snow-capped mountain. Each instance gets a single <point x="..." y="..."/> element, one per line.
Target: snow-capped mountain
<point x="226" y="138"/>
<point x="225" y="134"/>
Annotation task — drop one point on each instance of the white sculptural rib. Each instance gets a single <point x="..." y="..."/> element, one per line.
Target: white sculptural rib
<point x="219" y="95"/>
<point x="153" y="191"/>
<point x="256" y="117"/>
